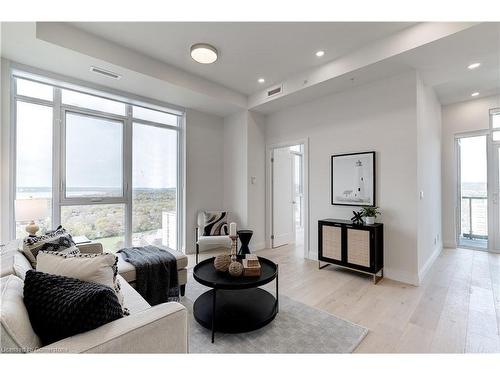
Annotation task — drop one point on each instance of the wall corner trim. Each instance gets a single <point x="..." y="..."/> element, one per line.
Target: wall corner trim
<point x="428" y="264"/>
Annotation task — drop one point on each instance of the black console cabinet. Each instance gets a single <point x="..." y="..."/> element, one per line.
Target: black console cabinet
<point x="357" y="247"/>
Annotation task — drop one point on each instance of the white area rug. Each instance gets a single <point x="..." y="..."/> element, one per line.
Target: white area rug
<point x="297" y="328"/>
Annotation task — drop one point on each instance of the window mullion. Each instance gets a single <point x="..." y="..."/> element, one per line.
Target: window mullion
<point x="127" y="175"/>
<point x="56" y="159"/>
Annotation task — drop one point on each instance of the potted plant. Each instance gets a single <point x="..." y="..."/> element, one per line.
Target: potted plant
<point x="369" y="214"/>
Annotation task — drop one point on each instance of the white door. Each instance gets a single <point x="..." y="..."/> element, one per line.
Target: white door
<point x="282" y="190"/>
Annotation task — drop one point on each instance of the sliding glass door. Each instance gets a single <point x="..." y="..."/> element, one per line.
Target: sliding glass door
<point x="478" y="203"/>
<point x="472" y="226"/>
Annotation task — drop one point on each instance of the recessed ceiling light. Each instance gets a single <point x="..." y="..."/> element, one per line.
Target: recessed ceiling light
<point x="204" y="53"/>
<point x="474" y="94"/>
<point x="474" y="66"/>
<point x="320" y="53"/>
<point x="261" y="80"/>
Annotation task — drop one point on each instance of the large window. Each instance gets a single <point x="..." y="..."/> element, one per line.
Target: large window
<point x="94" y="156"/>
<point x="107" y="166"/>
<point x="34" y="158"/>
<point x="154" y="181"/>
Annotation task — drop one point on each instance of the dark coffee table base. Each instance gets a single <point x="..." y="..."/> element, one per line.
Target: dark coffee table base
<point x="236" y="311"/>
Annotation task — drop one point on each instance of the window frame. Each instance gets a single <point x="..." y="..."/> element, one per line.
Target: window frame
<point x="494" y="112"/>
<point x="78" y="201"/>
<point x="60" y="110"/>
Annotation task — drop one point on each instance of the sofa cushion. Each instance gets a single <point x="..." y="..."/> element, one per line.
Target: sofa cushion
<point x="132" y="300"/>
<point x="7" y="258"/>
<point x="127" y="270"/>
<point x="60" y="306"/>
<point x="21" y="265"/>
<point x="222" y="241"/>
<point x="17" y="334"/>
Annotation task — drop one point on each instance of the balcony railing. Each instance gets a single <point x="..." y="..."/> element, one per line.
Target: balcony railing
<point x="474" y="218"/>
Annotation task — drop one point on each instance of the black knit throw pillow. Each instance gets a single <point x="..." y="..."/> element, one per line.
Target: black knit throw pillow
<point x="60" y="306"/>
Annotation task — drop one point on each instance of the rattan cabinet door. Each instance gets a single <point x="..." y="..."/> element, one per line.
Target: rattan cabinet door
<point x="358" y="247"/>
<point x="332" y="242"/>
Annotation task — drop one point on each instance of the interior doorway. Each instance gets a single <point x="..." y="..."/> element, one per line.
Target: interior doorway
<point x="288" y="196"/>
<point x="297" y="152"/>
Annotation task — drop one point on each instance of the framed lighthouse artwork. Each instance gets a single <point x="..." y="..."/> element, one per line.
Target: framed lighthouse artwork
<point x="353" y="179"/>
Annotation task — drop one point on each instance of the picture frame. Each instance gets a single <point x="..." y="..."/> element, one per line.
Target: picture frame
<point x="353" y="179"/>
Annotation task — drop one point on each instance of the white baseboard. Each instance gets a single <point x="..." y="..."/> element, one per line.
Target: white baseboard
<point x="401" y="276"/>
<point x="449" y="245"/>
<point x="312" y="255"/>
<point x="428" y="264"/>
<point x="257" y="246"/>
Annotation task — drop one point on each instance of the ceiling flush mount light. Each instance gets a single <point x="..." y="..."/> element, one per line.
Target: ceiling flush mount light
<point x="474" y="66"/>
<point x="261" y="80"/>
<point x="474" y="94"/>
<point x="204" y="53"/>
<point x="320" y="53"/>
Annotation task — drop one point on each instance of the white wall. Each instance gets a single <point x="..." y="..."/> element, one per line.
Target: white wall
<point x="458" y="118"/>
<point x="244" y="158"/>
<point x="204" y="168"/>
<point x="429" y="239"/>
<point x="379" y="117"/>
<point x="256" y="199"/>
<point x="235" y="167"/>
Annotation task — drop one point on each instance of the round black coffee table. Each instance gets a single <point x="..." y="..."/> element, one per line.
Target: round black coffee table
<point x="235" y="305"/>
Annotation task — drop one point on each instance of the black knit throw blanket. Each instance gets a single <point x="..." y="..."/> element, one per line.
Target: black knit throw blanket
<point x="156" y="273"/>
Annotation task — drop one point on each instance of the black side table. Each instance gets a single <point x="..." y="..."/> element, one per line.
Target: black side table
<point x="245" y="236"/>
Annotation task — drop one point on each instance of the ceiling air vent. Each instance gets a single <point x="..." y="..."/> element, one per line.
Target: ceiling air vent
<point x="274" y="91"/>
<point x="105" y="72"/>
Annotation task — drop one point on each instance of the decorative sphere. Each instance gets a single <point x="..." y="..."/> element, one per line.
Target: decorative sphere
<point x="222" y="262"/>
<point x="235" y="269"/>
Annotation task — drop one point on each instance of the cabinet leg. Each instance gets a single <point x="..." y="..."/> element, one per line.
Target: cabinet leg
<point x="377" y="278"/>
<point x="322" y="266"/>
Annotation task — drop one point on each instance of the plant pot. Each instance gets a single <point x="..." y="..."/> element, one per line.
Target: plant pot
<point x="369" y="220"/>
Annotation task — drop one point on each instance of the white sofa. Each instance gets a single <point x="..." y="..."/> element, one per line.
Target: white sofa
<point x="158" y="329"/>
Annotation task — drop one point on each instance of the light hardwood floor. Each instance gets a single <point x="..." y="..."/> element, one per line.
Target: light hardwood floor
<point x="456" y="310"/>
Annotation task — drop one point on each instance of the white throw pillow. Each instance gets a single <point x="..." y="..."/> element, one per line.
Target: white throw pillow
<point x="98" y="268"/>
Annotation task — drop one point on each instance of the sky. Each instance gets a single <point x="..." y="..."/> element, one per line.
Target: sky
<point x="473" y="159"/>
<point x="94" y="155"/>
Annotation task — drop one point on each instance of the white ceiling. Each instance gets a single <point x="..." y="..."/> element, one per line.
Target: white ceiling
<point x="248" y="50"/>
<point x="21" y="43"/>
<point x="154" y="60"/>
<point x="443" y="63"/>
